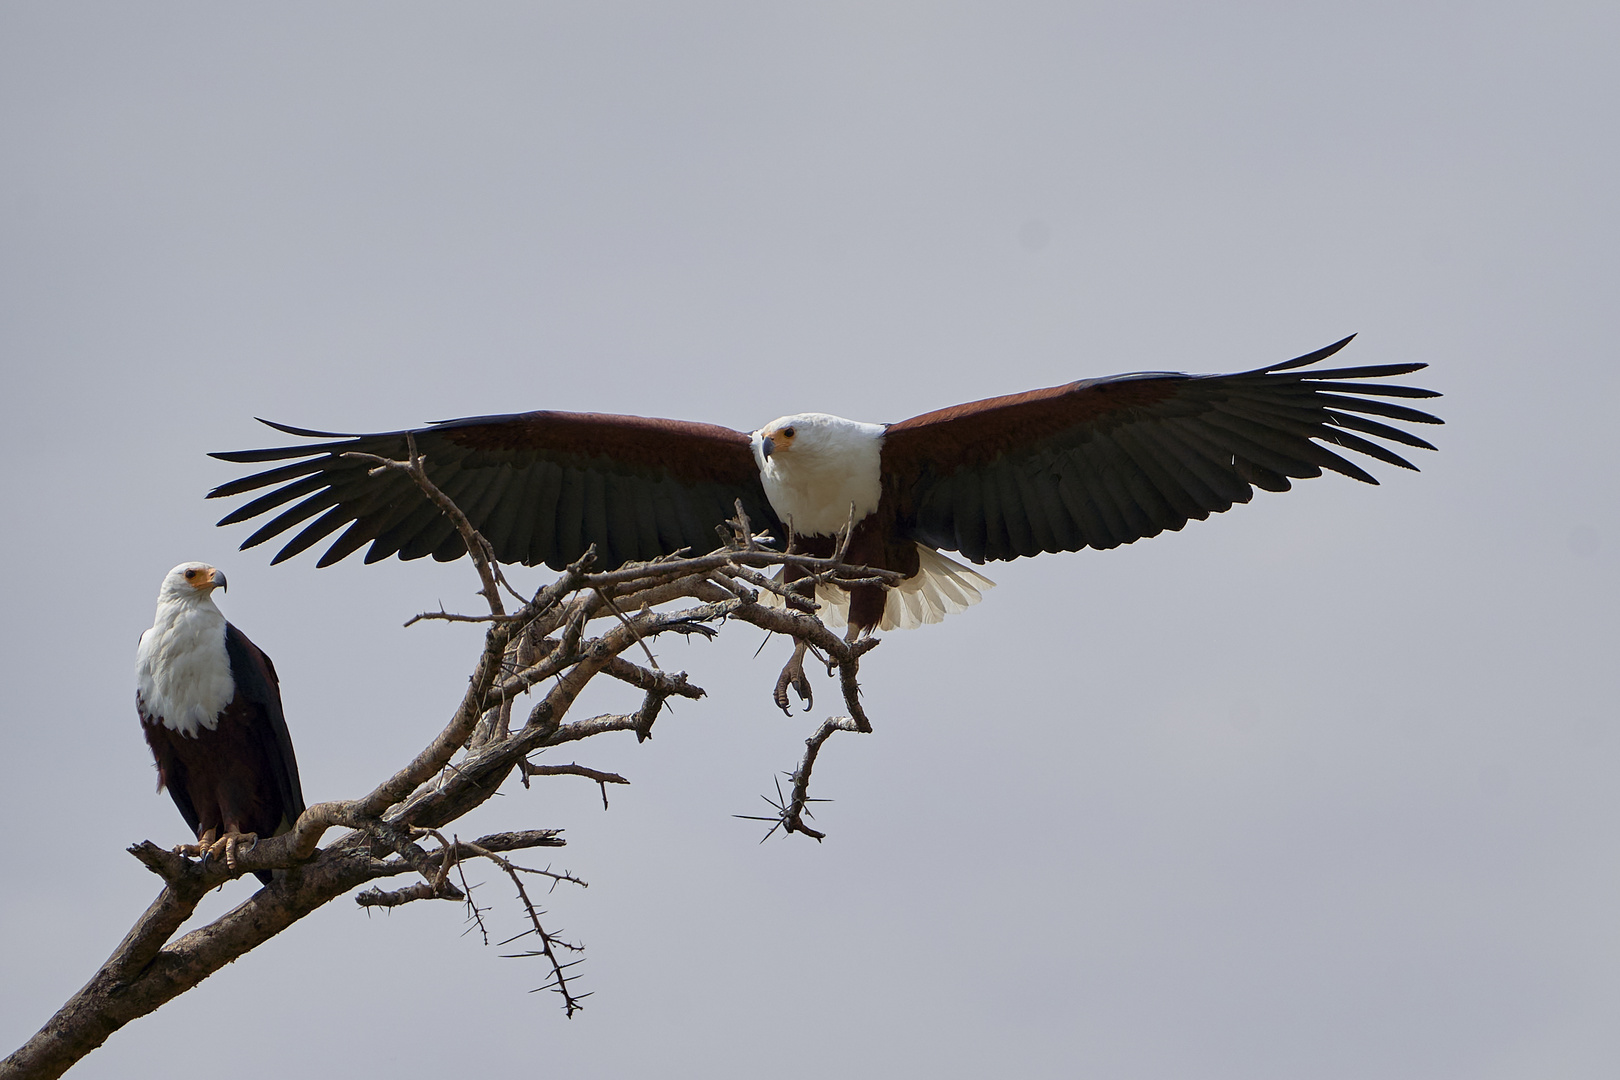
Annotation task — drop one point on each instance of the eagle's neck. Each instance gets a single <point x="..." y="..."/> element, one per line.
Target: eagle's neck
<point x="182" y="672"/>
<point x="832" y="464"/>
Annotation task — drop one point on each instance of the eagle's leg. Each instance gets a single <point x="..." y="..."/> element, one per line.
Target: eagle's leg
<point x="793" y="676"/>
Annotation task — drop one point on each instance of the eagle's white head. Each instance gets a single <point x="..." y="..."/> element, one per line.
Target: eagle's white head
<point x="814" y="466"/>
<point x="182" y="673"/>
<point x="190" y="583"/>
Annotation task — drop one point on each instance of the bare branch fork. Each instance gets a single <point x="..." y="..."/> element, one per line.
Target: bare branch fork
<point x="549" y="638"/>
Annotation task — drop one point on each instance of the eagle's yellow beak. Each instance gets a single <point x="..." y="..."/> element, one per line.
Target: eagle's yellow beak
<point x="204" y="578"/>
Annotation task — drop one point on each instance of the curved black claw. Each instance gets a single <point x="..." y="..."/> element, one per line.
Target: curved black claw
<point x="200" y="850"/>
<point x="208" y="847"/>
<point x="793" y="676"/>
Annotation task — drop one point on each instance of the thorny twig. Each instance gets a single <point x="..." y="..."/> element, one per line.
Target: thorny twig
<point x="446" y="616"/>
<point x="602" y="778"/>
<point x="549" y="943"/>
<point x="475" y="914"/>
<point x="790" y="812"/>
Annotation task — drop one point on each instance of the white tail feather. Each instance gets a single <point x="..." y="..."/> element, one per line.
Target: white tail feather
<point x="942" y="586"/>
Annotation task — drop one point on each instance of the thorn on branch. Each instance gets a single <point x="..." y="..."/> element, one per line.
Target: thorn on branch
<point x="549" y="943"/>
<point x="791" y="812"/>
<point x="447" y="616"/>
<point x="375" y="897"/>
<point x="475" y="914"/>
<point x="602" y="778"/>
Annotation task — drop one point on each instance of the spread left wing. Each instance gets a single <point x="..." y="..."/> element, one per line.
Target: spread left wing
<point x="541" y="487"/>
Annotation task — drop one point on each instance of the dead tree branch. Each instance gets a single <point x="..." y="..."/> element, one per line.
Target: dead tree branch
<point x="603" y="779"/>
<point x="553" y="640"/>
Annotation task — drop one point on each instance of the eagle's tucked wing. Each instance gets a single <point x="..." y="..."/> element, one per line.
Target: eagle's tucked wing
<point x="258" y="703"/>
<point x="1104" y="462"/>
<point x="540" y="486"/>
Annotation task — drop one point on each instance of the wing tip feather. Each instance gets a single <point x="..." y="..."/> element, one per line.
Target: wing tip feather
<point x="1311" y="357"/>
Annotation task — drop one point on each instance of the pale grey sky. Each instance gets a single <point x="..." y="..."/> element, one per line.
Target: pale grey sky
<point x="1321" y="787"/>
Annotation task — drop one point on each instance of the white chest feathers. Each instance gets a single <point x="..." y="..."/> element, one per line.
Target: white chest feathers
<point x="182" y="672"/>
<point x="813" y="476"/>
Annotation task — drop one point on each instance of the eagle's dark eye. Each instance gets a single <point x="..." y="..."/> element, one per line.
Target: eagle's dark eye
<point x="190" y="574"/>
<point x="787" y="433"/>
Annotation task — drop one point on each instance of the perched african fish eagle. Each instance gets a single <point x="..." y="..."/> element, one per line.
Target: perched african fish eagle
<point x="1096" y="463"/>
<point x="210" y="705"/>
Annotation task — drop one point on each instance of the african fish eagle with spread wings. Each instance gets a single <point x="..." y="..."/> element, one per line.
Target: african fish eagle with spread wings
<point x="1096" y="463"/>
<point x="210" y="705"/>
